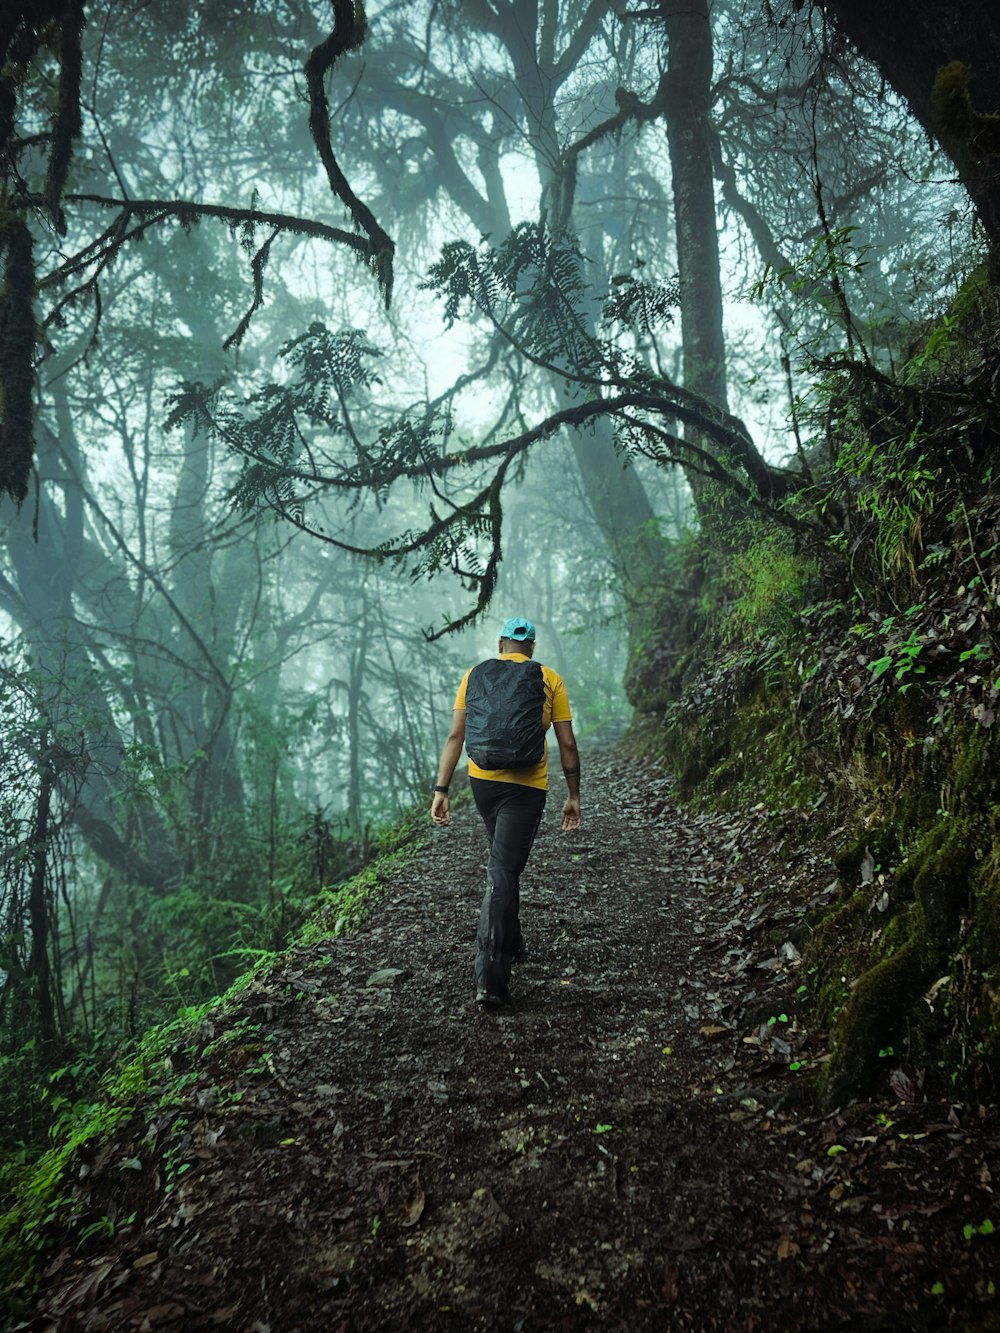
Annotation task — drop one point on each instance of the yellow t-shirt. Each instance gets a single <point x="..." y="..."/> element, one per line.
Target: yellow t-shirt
<point x="554" y="709"/>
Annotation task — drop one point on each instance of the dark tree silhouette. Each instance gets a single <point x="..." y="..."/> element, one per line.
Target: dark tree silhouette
<point x="944" y="59"/>
<point x="29" y="34"/>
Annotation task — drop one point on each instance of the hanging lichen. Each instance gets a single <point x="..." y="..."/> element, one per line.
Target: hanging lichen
<point x="17" y="342"/>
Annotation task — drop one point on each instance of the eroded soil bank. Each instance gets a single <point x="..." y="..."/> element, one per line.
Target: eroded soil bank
<point x="358" y="1148"/>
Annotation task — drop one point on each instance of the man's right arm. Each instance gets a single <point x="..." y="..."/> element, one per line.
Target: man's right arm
<point x="569" y="757"/>
<point x="450" y="755"/>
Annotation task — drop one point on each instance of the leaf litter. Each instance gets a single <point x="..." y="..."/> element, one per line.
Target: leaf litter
<point x="356" y="1147"/>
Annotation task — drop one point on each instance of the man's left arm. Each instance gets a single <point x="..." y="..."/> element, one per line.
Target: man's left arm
<point x="569" y="757"/>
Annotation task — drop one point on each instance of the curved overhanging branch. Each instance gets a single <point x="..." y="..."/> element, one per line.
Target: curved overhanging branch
<point x="465" y="278"/>
<point x="188" y="211"/>
<point x="659" y="400"/>
<point x="640" y="412"/>
<point x="349" y="26"/>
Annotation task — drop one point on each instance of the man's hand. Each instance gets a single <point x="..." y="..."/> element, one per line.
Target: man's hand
<point x="441" y="808"/>
<point x="450" y="755"/>
<point x="571" y="813"/>
<point x="569" y="757"/>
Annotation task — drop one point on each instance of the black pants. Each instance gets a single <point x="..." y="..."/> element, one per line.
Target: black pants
<point x="511" y="813"/>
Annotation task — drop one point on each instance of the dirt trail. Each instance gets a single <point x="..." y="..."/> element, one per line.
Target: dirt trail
<point x="361" y="1149"/>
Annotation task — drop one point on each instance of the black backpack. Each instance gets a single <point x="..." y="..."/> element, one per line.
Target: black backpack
<point x="503" y="714"/>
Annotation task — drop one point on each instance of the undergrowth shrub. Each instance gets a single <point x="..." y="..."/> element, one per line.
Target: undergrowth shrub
<point x="848" y="654"/>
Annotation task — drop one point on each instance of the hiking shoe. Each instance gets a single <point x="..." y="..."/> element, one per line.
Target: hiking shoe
<point x="489" y="1001"/>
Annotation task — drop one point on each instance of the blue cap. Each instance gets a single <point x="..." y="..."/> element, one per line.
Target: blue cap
<point x="518" y="628"/>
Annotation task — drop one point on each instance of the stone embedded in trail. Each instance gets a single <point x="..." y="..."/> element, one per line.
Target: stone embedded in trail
<point x="387" y="976"/>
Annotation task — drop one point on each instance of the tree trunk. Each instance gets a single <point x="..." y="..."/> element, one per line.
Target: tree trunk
<point x="688" y="101"/>
<point x="910" y="42"/>
<point x="614" y="491"/>
<point x="38" y="907"/>
<point x="355" y="689"/>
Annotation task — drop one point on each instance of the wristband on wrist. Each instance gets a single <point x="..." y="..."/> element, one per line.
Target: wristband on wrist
<point x="443" y="790"/>
<point x="571" y="772"/>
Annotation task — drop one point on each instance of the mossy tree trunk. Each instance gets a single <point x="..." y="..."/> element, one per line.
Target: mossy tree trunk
<point x="911" y="42"/>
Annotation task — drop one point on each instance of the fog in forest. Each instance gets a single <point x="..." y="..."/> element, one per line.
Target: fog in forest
<point x="344" y="351"/>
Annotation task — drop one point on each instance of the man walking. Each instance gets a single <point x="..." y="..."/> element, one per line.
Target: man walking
<point x="502" y="710"/>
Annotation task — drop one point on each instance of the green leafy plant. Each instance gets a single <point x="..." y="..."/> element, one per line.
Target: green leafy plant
<point x="902" y="660"/>
<point x="936" y="351"/>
